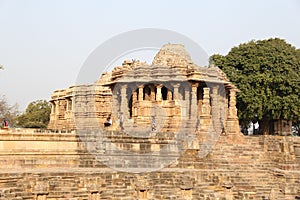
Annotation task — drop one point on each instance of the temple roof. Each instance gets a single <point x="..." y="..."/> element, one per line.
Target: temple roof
<point x="173" y="54"/>
<point x="171" y="63"/>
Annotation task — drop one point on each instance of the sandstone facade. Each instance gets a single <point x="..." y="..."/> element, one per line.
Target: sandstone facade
<point x="172" y="91"/>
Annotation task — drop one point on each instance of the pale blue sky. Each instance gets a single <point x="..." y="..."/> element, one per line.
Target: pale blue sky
<point x="44" y="43"/>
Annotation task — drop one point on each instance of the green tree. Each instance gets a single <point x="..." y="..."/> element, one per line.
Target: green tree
<point x="7" y="112"/>
<point x="267" y="72"/>
<point x="37" y="115"/>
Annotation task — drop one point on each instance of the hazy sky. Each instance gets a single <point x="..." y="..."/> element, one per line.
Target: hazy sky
<point x="43" y="44"/>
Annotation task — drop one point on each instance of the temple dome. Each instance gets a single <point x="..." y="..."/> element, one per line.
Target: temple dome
<point x="173" y="55"/>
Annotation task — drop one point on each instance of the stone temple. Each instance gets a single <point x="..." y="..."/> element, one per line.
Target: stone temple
<point x="174" y="135"/>
<point x="173" y="91"/>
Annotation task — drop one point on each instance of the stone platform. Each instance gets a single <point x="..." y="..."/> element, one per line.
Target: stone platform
<point x="57" y="166"/>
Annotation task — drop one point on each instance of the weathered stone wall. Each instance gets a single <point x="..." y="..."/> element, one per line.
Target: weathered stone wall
<point x="56" y="166"/>
<point x="32" y="148"/>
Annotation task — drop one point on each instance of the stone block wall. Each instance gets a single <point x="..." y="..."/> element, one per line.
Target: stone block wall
<point x="56" y="166"/>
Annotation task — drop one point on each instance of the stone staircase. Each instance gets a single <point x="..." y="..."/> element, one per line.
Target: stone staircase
<point x="236" y="167"/>
<point x="235" y="164"/>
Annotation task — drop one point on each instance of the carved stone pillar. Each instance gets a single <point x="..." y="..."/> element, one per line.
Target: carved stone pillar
<point x="215" y="108"/>
<point x="232" y="112"/>
<point x="141" y="92"/>
<point x="115" y="105"/>
<point x="134" y="101"/>
<point x="152" y="93"/>
<point x="200" y="100"/>
<point x="124" y="102"/>
<point x="71" y="103"/>
<point x="70" y="122"/>
<point x="67" y="113"/>
<point x="62" y="114"/>
<point x="158" y="92"/>
<point x="52" y="116"/>
<point x="205" y="117"/>
<point x="206" y="102"/>
<point x="67" y="104"/>
<point x="56" y="107"/>
<point x="169" y="95"/>
<point x="134" y="97"/>
<point x="232" y="122"/>
<point x="52" y="107"/>
<point x="187" y="100"/>
<point x="194" y="107"/>
<point x="214" y="99"/>
<point x="56" y="114"/>
<point x="223" y="106"/>
<point x="176" y="92"/>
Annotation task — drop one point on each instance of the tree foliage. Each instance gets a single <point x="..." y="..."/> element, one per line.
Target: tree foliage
<point x="7" y="112"/>
<point x="37" y="115"/>
<point x="267" y="72"/>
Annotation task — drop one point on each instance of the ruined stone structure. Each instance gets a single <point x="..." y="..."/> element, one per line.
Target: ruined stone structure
<point x="193" y="108"/>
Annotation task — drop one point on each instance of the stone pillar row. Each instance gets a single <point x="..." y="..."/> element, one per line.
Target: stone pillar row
<point x="211" y="100"/>
<point x="153" y="96"/>
<point x="56" y="103"/>
<point x="232" y="111"/>
<point x="158" y="96"/>
<point x="152" y="93"/>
